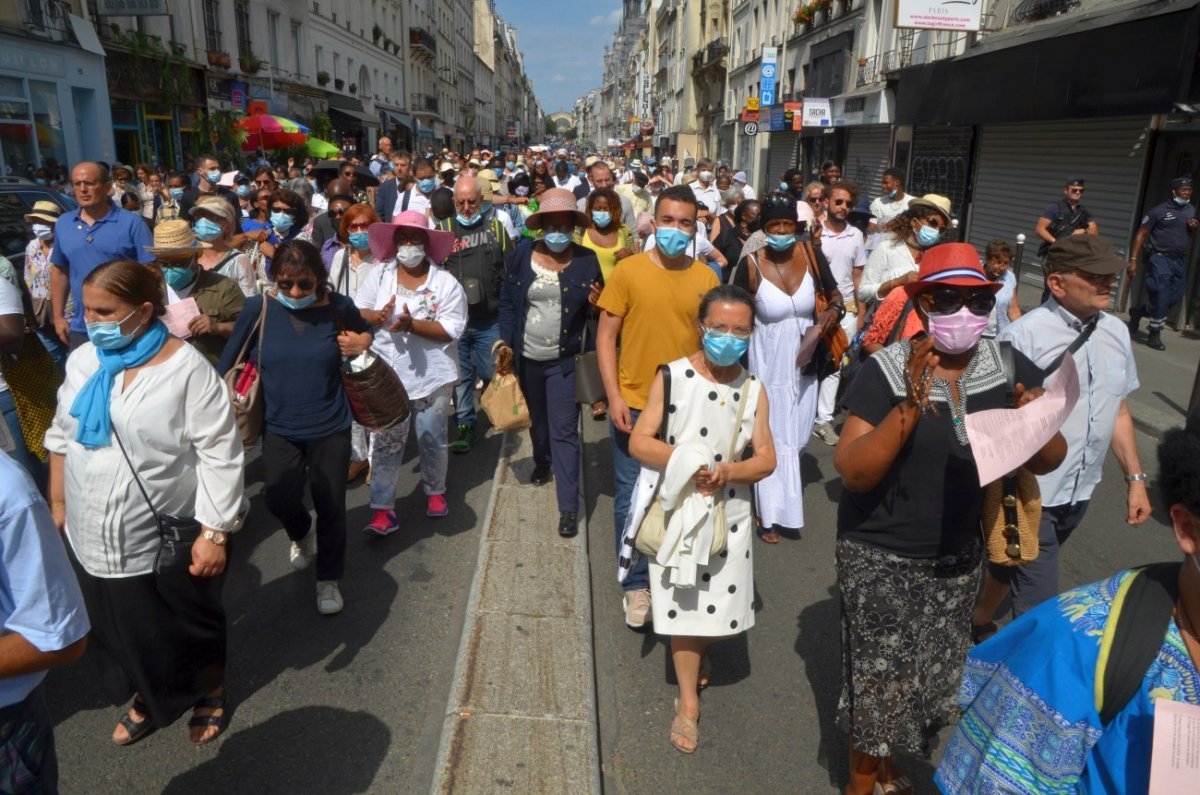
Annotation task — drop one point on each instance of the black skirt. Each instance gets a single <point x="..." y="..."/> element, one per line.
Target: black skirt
<point x="160" y="636"/>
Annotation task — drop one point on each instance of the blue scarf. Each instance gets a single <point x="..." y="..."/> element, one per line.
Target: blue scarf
<point x="91" y="406"/>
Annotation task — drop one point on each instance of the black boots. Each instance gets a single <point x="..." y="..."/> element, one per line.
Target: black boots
<point x="1154" y="340"/>
<point x="568" y="524"/>
<point x="1135" y="318"/>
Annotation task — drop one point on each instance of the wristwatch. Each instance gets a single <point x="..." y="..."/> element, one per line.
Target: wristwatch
<point x="1136" y="477"/>
<point x="216" y="537"/>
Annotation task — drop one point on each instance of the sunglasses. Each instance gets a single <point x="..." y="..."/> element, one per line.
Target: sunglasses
<point x="1074" y="190"/>
<point x="812" y="199"/>
<point x="839" y="202"/>
<point x="336" y="213"/>
<point x="283" y="209"/>
<point x="935" y="223"/>
<point x="287" y="284"/>
<point x="947" y="301"/>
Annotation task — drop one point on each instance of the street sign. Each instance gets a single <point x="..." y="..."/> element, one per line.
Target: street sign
<point x="766" y="93"/>
<point x="752" y="103"/>
<point x="750" y="128"/>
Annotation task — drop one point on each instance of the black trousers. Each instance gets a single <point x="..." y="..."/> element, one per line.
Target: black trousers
<point x="320" y="464"/>
<point x="28" y="762"/>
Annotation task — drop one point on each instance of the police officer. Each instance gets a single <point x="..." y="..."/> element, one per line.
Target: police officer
<point x="1168" y="228"/>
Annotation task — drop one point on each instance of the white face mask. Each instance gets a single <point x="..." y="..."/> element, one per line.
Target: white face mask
<point x="410" y="256"/>
<point x="43" y="232"/>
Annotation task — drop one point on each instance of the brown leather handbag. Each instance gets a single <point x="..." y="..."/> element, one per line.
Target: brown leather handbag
<point x="827" y="357"/>
<point x="377" y="396"/>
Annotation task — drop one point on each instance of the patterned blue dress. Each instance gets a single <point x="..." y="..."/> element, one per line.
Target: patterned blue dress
<point x="1030" y="723"/>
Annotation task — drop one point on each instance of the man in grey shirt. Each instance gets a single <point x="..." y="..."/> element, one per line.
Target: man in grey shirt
<point x="1082" y="272"/>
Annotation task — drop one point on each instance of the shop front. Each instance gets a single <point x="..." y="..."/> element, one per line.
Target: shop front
<point x="54" y="106"/>
<point x="154" y="110"/>
<point x="351" y="123"/>
<point x="866" y="117"/>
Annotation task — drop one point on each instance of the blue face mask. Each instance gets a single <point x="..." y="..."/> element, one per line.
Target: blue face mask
<point x="213" y="176"/>
<point x="282" y="222"/>
<point x="178" y="277"/>
<point x="106" y="335"/>
<point x="465" y="221"/>
<point x="175" y="193"/>
<point x="783" y="186"/>
<point x="671" y="241"/>
<point x="724" y="349"/>
<point x="1181" y="201"/>
<point x="206" y="230"/>
<point x="602" y="218"/>
<point x="360" y="240"/>
<point x="781" y="242"/>
<point x="928" y="237"/>
<point x="243" y="191"/>
<point x="296" y="303"/>
<point x="892" y="193"/>
<point x="426" y="185"/>
<point x="557" y="241"/>
<point x="510" y="165"/>
<point x="40" y="181"/>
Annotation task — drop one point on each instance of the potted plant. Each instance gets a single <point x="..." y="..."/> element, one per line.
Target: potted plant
<point x="353" y="88"/>
<point x="395" y="48"/>
<point x="387" y="43"/>
<point x="339" y="83"/>
<point x="214" y="59"/>
<point x="225" y="61"/>
<point x="322" y="78"/>
<point x="250" y="63"/>
<point x="376" y="32"/>
<point x="804" y="16"/>
<point x="822" y="10"/>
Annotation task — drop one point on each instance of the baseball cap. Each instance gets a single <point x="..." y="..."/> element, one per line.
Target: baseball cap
<point x="1087" y="253"/>
<point x="740" y="176"/>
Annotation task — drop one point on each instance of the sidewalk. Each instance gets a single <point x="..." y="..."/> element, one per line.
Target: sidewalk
<point x="522" y="710"/>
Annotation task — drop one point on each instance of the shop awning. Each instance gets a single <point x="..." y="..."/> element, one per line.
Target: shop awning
<point x="1139" y="60"/>
<point x="351" y="108"/>
<point x="362" y="117"/>
<point x="403" y="119"/>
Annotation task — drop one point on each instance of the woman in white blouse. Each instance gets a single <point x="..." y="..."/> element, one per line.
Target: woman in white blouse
<point x="895" y="260"/>
<point x="159" y="637"/>
<point x="419" y="311"/>
<point x="214" y="224"/>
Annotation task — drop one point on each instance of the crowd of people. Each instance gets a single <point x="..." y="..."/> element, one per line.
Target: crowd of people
<point x="729" y="327"/>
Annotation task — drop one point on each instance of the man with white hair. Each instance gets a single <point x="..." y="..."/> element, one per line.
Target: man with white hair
<point x="739" y="181"/>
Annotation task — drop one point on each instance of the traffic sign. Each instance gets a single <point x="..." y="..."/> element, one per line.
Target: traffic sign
<point x="750" y="128"/>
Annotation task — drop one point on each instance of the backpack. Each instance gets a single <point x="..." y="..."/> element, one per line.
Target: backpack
<point x="1063" y="224"/>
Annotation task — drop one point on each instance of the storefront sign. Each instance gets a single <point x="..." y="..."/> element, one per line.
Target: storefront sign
<point x="766" y="94"/>
<point x="130" y="8"/>
<point x="776" y="122"/>
<point x="939" y="14"/>
<point x="792" y="113"/>
<point x="17" y="59"/>
<point x="817" y="113"/>
<point x="750" y="115"/>
<point x="752" y="103"/>
<point x="237" y="96"/>
<point x="750" y="128"/>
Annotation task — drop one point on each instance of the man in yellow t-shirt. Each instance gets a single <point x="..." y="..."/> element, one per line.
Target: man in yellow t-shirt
<point x="651" y="303"/>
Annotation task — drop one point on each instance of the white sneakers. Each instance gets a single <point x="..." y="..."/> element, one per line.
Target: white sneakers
<point x="637" y="608"/>
<point x="329" y="598"/>
<point x="304" y="551"/>
<point x="825" y="432"/>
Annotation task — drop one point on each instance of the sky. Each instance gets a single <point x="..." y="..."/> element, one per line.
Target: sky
<point x="563" y="44"/>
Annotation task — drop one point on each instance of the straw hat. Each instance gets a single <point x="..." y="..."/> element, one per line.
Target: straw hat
<point x="175" y="240"/>
<point x="213" y="205"/>
<point x="43" y="212"/>
<point x="382" y="237"/>
<point x="556" y="200"/>
<point x="934" y="201"/>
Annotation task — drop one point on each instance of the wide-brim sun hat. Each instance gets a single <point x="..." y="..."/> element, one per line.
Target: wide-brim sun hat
<point x="43" y="212"/>
<point x="213" y="205"/>
<point x="382" y="237"/>
<point x="556" y="200"/>
<point x="176" y="240"/>
<point x="932" y="200"/>
<point x="951" y="265"/>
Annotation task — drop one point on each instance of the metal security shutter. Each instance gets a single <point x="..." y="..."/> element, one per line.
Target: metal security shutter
<point x="868" y="153"/>
<point x="940" y="163"/>
<point x="1021" y="169"/>
<point x="781" y="155"/>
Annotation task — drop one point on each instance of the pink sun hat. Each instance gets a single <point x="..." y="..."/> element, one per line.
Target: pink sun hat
<point x="382" y="237"/>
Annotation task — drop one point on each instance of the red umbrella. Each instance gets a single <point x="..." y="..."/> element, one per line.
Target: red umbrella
<point x="271" y="132"/>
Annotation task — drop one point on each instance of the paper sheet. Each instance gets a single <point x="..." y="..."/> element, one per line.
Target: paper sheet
<point x="808" y="344"/>
<point x="1004" y="439"/>
<point x="179" y="314"/>
<point x="1175" y="760"/>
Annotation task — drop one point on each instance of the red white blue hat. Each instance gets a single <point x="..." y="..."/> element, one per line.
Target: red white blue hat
<point x="950" y="265"/>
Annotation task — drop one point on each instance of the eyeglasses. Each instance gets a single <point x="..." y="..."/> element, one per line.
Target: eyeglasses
<point x="741" y="332"/>
<point x="812" y="199"/>
<point x="947" y="301"/>
<point x="287" y="284"/>
<point x="359" y="226"/>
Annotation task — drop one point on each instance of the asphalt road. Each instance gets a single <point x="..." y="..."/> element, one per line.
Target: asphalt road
<point x="768" y="719"/>
<point x="343" y="704"/>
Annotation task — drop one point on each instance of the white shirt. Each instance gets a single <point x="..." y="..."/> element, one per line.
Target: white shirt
<point x="178" y="427"/>
<point x="417" y="202"/>
<point x="509" y="227"/>
<point x="886" y="210"/>
<point x="570" y="183"/>
<point x="422" y="364"/>
<point x="1107" y="375"/>
<point x="748" y="193"/>
<point x="845" y="251"/>
<point x="10" y="304"/>
<point x="319" y="203"/>
<point x="349" y="278"/>
<point x="890" y="259"/>
<point x="710" y="197"/>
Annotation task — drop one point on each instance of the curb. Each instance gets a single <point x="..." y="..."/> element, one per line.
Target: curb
<point x="521" y="714"/>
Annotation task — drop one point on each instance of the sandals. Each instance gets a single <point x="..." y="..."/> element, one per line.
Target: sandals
<point x="205" y="721"/>
<point x="684" y="728"/>
<point x="137" y="730"/>
<point x="705" y="673"/>
<point x="981" y="632"/>
<point x="897" y="786"/>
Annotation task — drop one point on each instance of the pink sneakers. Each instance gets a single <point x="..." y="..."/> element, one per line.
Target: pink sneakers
<point x="383" y="523"/>
<point x="437" y="506"/>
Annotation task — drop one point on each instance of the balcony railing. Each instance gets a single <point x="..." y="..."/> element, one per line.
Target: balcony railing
<point x="877" y="68"/>
<point x="1035" y="10"/>
<point x="423" y="44"/>
<point x="426" y="103"/>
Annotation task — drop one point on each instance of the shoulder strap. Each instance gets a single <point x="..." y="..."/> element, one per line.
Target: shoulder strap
<point x="665" y="369"/>
<point x="1075" y="345"/>
<point x="259" y="327"/>
<point x="1010" y="371"/>
<point x="404" y="201"/>
<point x="136" y="479"/>
<point x="737" y="423"/>
<point x="1133" y="635"/>
<point x="898" y="329"/>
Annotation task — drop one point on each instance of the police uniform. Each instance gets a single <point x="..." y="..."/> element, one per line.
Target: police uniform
<point x="1167" y="246"/>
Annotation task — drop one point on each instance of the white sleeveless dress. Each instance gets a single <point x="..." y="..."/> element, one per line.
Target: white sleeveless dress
<point x="780" y="321"/>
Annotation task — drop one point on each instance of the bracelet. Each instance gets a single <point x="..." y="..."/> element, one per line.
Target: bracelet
<point x="1136" y="477"/>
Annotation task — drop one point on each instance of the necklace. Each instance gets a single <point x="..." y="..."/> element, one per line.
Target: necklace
<point x="728" y="391"/>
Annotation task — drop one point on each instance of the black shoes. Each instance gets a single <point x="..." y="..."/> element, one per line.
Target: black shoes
<point x="541" y="476"/>
<point x="1154" y="340"/>
<point x="1135" y="318"/>
<point x="568" y="524"/>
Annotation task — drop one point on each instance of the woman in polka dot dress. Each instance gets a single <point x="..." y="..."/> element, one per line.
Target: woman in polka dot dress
<point x="704" y="393"/>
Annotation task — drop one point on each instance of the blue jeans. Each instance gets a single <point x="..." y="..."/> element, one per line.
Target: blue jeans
<point x="54" y="346"/>
<point x="625" y="474"/>
<point x="35" y="468"/>
<point x="474" y="361"/>
<point x="550" y="393"/>
<point x="1165" y="277"/>
<point x="387" y="450"/>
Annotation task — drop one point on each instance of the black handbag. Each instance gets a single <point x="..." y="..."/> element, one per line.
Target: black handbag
<point x="589" y="386"/>
<point x="176" y="534"/>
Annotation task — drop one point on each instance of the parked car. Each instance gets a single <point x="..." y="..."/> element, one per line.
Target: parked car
<point x="17" y="197"/>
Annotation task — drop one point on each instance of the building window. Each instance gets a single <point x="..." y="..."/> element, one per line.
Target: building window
<point x="273" y="38"/>
<point x="241" y="16"/>
<point x="212" y="25"/>
<point x="296" y="46"/>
